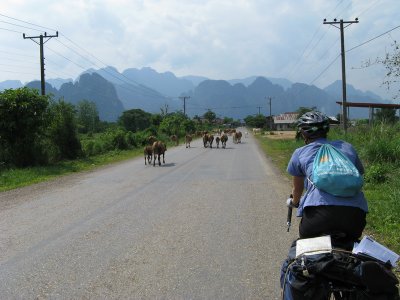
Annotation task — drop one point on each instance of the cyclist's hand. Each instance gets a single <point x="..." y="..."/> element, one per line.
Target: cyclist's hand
<point x="289" y="203"/>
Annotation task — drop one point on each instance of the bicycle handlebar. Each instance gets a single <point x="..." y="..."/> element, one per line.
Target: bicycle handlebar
<point x="289" y="216"/>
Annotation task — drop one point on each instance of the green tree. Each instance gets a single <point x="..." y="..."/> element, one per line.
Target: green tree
<point x="258" y="121"/>
<point x="210" y="116"/>
<point x="22" y="119"/>
<point x="386" y="115"/>
<point x="87" y="117"/>
<point x="228" y="120"/>
<point x="174" y="123"/>
<point x="62" y="131"/>
<point x="135" y="120"/>
<point x="189" y="126"/>
<point x="197" y="118"/>
<point x="156" y="119"/>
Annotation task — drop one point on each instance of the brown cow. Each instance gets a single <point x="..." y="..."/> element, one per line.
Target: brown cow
<point x="151" y="139"/>
<point x="175" y="139"/>
<point x="148" y="154"/>
<point x="188" y="139"/>
<point x="159" y="149"/>
<point x="237" y="137"/>
<point x="205" y="140"/>
<point x="208" y="140"/>
<point x="224" y="139"/>
<point x="217" y="139"/>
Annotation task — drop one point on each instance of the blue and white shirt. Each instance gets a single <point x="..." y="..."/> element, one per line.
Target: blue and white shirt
<point x="301" y="164"/>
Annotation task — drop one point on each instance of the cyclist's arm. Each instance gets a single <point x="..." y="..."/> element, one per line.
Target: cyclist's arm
<point x="298" y="187"/>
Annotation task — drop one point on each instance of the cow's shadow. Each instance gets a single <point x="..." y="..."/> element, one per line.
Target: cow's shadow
<point x="167" y="165"/>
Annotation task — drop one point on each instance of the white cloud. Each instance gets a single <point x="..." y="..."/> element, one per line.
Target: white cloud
<point x="220" y="39"/>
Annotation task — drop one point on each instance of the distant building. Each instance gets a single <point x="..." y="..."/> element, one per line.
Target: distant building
<point x="285" y="121"/>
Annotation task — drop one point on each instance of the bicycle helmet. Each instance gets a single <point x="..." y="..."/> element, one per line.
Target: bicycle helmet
<point x="313" y="124"/>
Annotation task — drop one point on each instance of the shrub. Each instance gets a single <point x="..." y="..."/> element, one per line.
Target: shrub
<point x="139" y="139"/>
<point x="62" y="131"/>
<point x="22" y="121"/>
<point x="118" y="140"/>
<point x="376" y="173"/>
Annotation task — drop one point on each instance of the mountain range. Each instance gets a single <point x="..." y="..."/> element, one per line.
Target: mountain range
<point x="145" y="88"/>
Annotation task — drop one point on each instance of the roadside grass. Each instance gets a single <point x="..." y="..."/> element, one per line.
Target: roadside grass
<point x="383" y="219"/>
<point x="15" y="178"/>
<point x="20" y="177"/>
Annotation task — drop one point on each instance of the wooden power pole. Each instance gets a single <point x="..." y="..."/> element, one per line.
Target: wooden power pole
<point x="184" y="103"/>
<point x="41" y="43"/>
<point x="344" y="96"/>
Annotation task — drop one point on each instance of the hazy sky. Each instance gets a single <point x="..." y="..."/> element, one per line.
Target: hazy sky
<point x="219" y="39"/>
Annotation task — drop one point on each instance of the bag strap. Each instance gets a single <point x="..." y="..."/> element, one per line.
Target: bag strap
<point x="312" y="185"/>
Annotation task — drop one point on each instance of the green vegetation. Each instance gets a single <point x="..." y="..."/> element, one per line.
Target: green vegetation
<point x="258" y="121"/>
<point x="379" y="149"/>
<point x="41" y="138"/>
<point x="11" y="178"/>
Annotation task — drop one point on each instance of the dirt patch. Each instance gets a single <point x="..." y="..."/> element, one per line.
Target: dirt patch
<point x="280" y="135"/>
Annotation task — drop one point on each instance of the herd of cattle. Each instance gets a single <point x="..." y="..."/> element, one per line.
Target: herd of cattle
<point x="155" y="149"/>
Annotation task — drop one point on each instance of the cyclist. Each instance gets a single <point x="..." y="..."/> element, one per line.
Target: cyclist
<point x="322" y="213"/>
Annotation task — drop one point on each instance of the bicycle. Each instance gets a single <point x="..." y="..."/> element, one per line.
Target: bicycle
<point x="335" y="274"/>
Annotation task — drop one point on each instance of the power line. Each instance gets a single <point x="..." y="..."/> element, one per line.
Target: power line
<point x="139" y="86"/>
<point x="76" y="52"/>
<point x="331" y="63"/>
<point x="326" y="69"/>
<point x="345" y="9"/>
<point x="14" y="53"/>
<point x="374" y="38"/>
<point x="20" y="60"/>
<point x="10" y="30"/>
<point x="15" y="72"/>
<point x="78" y="65"/>
<point x="25" y="67"/>
<point x="27" y="22"/>
<point x="310" y="42"/>
<point x="103" y="63"/>
<point x="20" y="25"/>
<point x="334" y="60"/>
<point x="369" y="7"/>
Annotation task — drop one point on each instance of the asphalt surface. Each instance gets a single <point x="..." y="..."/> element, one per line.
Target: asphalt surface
<point x="207" y="224"/>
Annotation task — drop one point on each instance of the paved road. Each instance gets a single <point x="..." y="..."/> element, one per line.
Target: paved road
<point x="209" y="224"/>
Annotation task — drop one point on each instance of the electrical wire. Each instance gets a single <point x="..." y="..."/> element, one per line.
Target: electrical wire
<point x="11" y="30"/>
<point x="9" y="23"/>
<point x="15" y="53"/>
<point x="142" y="89"/>
<point x="368" y="8"/>
<point x="121" y="77"/>
<point x="374" y="38"/>
<point x="26" y="22"/>
<point x="310" y="42"/>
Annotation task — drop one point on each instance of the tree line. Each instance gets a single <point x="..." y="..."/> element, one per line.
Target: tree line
<point x="38" y="130"/>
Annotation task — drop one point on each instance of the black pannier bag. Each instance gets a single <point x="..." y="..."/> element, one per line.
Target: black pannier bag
<point x="316" y="276"/>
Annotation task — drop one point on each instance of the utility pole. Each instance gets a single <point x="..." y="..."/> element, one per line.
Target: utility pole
<point x="344" y="97"/>
<point x="259" y="107"/>
<point x="41" y="43"/>
<point x="184" y="103"/>
<point x="270" y="112"/>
